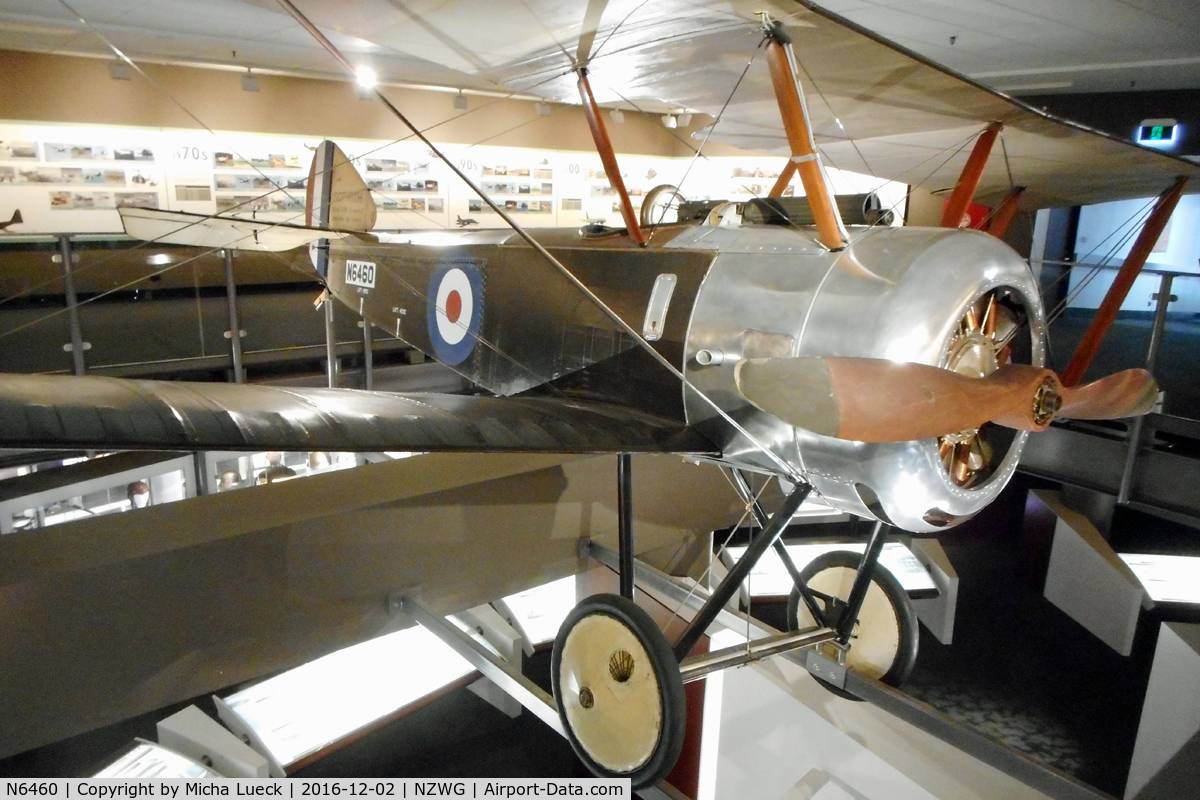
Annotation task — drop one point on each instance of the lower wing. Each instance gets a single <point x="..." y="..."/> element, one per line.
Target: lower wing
<point x="49" y="411"/>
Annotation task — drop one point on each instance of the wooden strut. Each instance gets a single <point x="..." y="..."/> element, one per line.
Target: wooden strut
<point x="968" y="181"/>
<point x="607" y="157"/>
<point x="785" y="178"/>
<point x="999" y="223"/>
<point x="1106" y="314"/>
<point x="804" y="154"/>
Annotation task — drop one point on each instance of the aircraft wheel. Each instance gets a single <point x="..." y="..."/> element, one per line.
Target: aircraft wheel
<point x="884" y="643"/>
<point x="618" y="690"/>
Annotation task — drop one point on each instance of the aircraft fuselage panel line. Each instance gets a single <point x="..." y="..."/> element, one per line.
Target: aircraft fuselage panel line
<point x="53" y="411"/>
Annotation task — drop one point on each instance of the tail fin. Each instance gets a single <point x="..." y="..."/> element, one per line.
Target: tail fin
<point x="17" y="219"/>
<point x="337" y="195"/>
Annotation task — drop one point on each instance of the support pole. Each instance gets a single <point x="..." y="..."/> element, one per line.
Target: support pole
<point x="999" y="223"/>
<point x="862" y="582"/>
<point x="1135" y="428"/>
<point x="625" y="523"/>
<point x="784" y="179"/>
<point x="781" y="62"/>
<point x="331" y="359"/>
<point x="607" y="157"/>
<point x="368" y="357"/>
<point x="1111" y="305"/>
<point x="968" y="181"/>
<point x="733" y="581"/>
<point x="64" y="250"/>
<point x="235" y="330"/>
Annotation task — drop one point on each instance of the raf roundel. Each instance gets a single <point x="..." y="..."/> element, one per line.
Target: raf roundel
<point x="455" y="309"/>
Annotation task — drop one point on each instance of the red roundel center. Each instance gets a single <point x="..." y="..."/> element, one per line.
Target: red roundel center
<point x="453" y="305"/>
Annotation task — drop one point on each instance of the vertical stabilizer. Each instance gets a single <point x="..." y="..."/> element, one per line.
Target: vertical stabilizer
<point x="337" y="195"/>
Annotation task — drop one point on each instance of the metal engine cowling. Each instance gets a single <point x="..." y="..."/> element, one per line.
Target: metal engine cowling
<point x="895" y="293"/>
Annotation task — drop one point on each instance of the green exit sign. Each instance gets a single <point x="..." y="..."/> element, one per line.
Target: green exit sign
<point x="1156" y="134"/>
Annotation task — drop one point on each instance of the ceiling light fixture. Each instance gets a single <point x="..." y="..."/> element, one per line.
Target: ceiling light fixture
<point x="543" y="109"/>
<point x="669" y="121"/>
<point x="365" y="77"/>
<point x="120" y="71"/>
<point x="460" y="101"/>
<point x="685" y="120"/>
<point x="617" y="116"/>
<point x="249" y="81"/>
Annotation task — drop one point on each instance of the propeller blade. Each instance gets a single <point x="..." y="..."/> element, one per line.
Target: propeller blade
<point x="1131" y="393"/>
<point x="874" y="400"/>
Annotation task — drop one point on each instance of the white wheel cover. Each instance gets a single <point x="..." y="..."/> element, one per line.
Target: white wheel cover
<point x="622" y="728"/>
<point x="455" y="330"/>
<point x="876" y="639"/>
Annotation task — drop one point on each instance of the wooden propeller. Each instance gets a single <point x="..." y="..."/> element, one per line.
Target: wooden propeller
<point x="874" y="400"/>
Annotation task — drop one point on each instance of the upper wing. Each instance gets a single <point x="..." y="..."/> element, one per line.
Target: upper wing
<point x="876" y="107"/>
<point x="47" y="411"/>
<point x="883" y="110"/>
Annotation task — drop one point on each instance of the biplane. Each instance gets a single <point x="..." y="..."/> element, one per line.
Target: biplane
<point x="895" y="372"/>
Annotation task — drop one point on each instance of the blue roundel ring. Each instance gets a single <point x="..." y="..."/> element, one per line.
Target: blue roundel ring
<point x="453" y="310"/>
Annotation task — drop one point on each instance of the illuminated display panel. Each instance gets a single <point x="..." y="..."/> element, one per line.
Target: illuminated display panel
<point x="541" y="610"/>
<point x="1167" y="579"/>
<point x="148" y="760"/>
<point x="770" y="578"/>
<point x="308" y="708"/>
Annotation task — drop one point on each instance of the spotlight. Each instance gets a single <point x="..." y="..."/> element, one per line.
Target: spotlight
<point x="669" y="121"/>
<point x="460" y="101"/>
<point x="618" y="116"/>
<point x="543" y="109"/>
<point x="365" y="77"/>
<point x="249" y="81"/>
<point x="685" y="120"/>
<point x="120" y="71"/>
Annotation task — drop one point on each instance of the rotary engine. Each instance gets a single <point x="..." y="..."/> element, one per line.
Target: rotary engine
<point x="959" y="300"/>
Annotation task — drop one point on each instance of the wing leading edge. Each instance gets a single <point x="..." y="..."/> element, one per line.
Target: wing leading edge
<point x="40" y="411"/>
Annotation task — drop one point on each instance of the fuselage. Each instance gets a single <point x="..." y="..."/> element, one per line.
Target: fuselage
<point x="704" y="297"/>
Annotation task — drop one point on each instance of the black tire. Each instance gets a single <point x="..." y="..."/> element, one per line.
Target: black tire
<point x="907" y="634"/>
<point x="665" y="751"/>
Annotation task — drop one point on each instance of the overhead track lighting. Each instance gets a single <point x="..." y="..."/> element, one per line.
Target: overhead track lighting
<point x="249" y="81"/>
<point x="685" y="120"/>
<point x="120" y="71"/>
<point x="543" y="109"/>
<point x="460" y="101"/>
<point x="617" y="116"/>
<point x="669" y="121"/>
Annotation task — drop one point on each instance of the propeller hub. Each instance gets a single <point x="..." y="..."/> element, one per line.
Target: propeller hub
<point x="1047" y="401"/>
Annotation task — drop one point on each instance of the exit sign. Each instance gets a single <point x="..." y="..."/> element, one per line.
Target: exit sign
<point x="1157" y="132"/>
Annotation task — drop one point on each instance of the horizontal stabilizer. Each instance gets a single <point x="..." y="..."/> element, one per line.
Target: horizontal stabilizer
<point x="200" y="230"/>
<point x="52" y="411"/>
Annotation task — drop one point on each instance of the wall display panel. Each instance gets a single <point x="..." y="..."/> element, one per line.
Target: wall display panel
<point x="72" y="179"/>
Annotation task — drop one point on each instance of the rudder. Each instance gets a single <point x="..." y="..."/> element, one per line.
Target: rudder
<point x="337" y="197"/>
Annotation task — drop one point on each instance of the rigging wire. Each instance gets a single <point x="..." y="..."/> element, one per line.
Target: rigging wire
<point x="707" y="134"/>
<point x="544" y="253"/>
<point x="716" y="557"/>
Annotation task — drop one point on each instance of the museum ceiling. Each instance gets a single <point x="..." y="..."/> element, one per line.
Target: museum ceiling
<point x="1016" y="46"/>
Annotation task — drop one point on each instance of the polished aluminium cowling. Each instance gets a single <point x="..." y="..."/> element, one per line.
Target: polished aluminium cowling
<point x="894" y="293"/>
